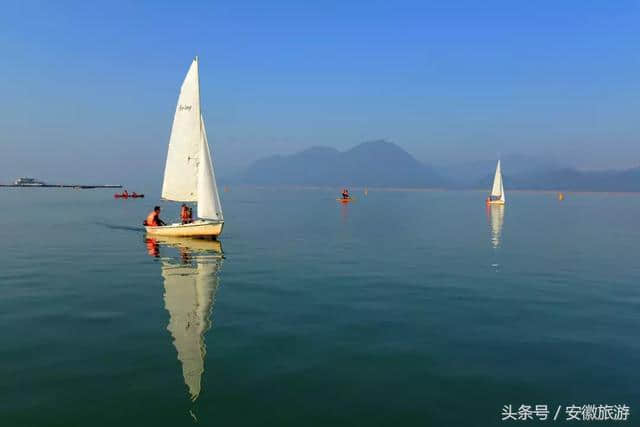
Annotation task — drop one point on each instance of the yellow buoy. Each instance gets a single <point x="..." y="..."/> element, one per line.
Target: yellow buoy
<point x="560" y="196"/>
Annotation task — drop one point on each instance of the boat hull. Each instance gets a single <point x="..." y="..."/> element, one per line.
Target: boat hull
<point x="495" y="202"/>
<point x="199" y="228"/>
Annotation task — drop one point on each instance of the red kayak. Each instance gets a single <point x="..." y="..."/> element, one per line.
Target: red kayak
<point x="128" y="196"/>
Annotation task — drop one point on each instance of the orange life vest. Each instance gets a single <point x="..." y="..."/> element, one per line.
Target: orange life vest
<point x="184" y="214"/>
<point x="151" y="219"/>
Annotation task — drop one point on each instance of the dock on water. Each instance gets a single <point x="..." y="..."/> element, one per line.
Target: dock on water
<point x="77" y="186"/>
<point x="26" y="182"/>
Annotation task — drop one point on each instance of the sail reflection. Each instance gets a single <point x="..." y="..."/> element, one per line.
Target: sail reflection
<point x="190" y="285"/>
<point x="496" y="219"/>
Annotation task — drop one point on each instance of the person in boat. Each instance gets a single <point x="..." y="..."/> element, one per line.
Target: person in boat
<point x="185" y="214"/>
<point x="345" y="194"/>
<point x="190" y="215"/>
<point x="125" y="193"/>
<point x="134" y="194"/>
<point x="153" y="219"/>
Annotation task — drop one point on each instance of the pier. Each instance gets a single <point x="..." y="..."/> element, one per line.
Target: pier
<point x="77" y="186"/>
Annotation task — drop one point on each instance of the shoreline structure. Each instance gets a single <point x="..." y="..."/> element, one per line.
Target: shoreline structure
<point x="78" y="186"/>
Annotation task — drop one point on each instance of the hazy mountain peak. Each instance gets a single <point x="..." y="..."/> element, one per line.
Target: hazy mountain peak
<point x="319" y="149"/>
<point x="376" y="163"/>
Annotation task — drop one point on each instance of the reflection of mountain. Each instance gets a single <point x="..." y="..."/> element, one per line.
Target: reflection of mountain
<point x="190" y="284"/>
<point x="496" y="219"/>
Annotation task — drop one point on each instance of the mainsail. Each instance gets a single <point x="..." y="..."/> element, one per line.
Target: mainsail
<point x="181" y="169"/>
<point x="497" y="191"/>
<point x="188" y="175"/>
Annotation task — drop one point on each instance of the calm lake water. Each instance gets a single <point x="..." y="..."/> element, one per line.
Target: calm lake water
<point x="402" y="308"/>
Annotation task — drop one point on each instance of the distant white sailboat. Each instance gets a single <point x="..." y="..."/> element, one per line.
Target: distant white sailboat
<point x="188" y="174"/>
<point x="496" y="197"/>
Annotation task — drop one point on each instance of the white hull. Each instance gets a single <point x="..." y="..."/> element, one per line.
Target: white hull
<point x="199" y="228"/>
<point x="495" y="202"/>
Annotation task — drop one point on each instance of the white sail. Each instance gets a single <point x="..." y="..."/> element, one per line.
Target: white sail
<point x="497" y="190"/>
<point x="180" y="174"/>
<point x="189" y="297"/>
<point x="209" y="206"/>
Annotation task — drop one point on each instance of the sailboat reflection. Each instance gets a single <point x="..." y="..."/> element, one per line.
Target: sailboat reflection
<point x="190" y="284"/>
<point x="496" y="219"/>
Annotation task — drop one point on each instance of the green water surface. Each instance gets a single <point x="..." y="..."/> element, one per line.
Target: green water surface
<point x="400" y="309"/>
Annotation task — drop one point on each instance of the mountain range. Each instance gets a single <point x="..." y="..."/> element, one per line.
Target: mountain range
<point x="373" y="164"/>
<point x="385" y="164"/>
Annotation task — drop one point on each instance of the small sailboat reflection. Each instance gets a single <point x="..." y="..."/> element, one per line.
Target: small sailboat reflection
<point x="496" y="219"/>
<point x="190" y="285"/>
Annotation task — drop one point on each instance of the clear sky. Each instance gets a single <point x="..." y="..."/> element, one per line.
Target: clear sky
<point x="89" y="90"/>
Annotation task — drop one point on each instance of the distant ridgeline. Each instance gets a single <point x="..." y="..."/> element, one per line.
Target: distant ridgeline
<point x="575" y="180"/>
<point x="532" y="173"/>
<point x="373" y="164"/>
<point x="384" y="164"/>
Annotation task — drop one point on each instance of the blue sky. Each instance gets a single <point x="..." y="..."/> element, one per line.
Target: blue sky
<point x="89" y="89"/>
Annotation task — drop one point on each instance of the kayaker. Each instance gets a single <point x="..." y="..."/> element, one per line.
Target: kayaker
<point x="345" y="194"/>
<point x="185" y="215"/>
<point x="153" y="219"/>
<point x="125" y="193"/>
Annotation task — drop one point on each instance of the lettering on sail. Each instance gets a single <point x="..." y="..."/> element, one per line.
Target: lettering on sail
<point x="184" y="107"/>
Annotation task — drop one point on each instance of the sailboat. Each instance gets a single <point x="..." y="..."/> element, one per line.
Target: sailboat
<point x="496" y="197"/>
<point x="188" y="174"/>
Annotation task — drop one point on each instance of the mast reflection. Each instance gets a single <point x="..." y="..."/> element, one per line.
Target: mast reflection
<point x="190" y="283"/>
